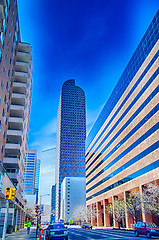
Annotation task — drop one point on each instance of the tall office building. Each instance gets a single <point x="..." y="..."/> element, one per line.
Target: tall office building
<point x="53" y="199"/>
<point x="47" y="175"/>
<point x="71" y="134"/>
<point x="37" y="180"/>
<point x="15" y="95"/>
<point x="122" y="146"/>
<point x="29" y="172"/>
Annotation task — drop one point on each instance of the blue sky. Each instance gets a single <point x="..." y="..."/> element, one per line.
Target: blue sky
<point x="88" y="40"/>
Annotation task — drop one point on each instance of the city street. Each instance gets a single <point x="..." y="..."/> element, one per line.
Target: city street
<point x="82" y="234"/>
<point x="102" y="234"/>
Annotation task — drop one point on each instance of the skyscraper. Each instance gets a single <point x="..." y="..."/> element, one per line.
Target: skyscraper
<point x="29" y="172"/>
<point x="53" y="199"/>
<point x="15" y="101"/>
<point x="37" y="178"/>
<point x="47" y="174"/>
<point x="71" y="134"/>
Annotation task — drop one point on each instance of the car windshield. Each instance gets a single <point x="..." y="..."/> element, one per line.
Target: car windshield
<point x="151" y="225"/>
<point x="57" y="226"/>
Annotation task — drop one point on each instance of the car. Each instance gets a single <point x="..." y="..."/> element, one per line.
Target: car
<point x="56" y="231"/>
<point x="148" y="229"/>
<point x="86" y="225"/>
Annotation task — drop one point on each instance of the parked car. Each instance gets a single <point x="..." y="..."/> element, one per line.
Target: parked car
<point x="86" y="225"/>
<point x="56" y="231"/>
<point x="148" y="229"/>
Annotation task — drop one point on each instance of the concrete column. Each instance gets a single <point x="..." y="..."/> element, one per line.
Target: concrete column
<point x="128" y="218"/>
<point x="142" y="207"/>
<point x="99" y="214"/>
<point x="23" y="219"/>
<point x="11" y="215"/>
<point x="19" y="219"/>
<point x="126" y="214"/>
<point x="93" y="217"/>
<point x="106" y="215"/>
<point x="115" y="223"/>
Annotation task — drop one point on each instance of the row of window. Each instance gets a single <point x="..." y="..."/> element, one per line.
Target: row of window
<point x="132" y="176"/>
<point x="132" y="146"/>
<point x="124" y="101"/>
<point x="139" y="125"/>
<point x="126" y="165"/>
<point x="147" y="43"/>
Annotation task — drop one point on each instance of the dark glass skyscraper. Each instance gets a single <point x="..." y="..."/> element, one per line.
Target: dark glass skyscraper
<point x="71" y="134"/>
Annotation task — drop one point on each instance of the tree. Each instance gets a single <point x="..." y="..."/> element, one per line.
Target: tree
<point x="150" y="198"/>
<point x="80" y="213"/>
<point x="117" y="210"/>
<point x="134" y="205"/>
<point x="85" y="214"/>
<point x="91" y="212"/>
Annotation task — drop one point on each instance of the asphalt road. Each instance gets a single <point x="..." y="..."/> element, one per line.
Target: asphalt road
<point x="81" y="234"/>
<point x="102" y="234"/>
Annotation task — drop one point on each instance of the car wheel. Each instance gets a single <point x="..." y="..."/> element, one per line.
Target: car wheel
<point x="136" y="234"/>
<point x="66" y="238"/>
<point x="148" y="235"/>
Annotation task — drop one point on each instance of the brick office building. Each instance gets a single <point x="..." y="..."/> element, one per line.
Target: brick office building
<point x="122" y="146"/>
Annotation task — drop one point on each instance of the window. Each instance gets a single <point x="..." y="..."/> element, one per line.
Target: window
<point x="2" y="85"/>
<point x="0" y="55"/>
<point x="2" y="40"/>
<point x="2" y="148"/>
<point x="4" y="25"/>
<point x="6" y="12"/>
<point x="4" y="134"/>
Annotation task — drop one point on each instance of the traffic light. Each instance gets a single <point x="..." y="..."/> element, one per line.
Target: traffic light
<point x="8" y="193"/>
<point x="13" y="193"/>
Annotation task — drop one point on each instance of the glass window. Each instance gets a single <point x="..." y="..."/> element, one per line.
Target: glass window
<point x="4" y="25"/>
<point x="2" y="40"/>
<point x="0" y="125"/>
<point x="2" y="148"/>
<point x="0" y="55"/>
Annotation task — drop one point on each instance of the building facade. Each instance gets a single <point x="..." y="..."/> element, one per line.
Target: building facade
<point x="72" y="197"/>
<point x="53" y="199"/>
<point x="30" y="172"/>
<point x="15" y="96"/>
<point x="71" y="134"/>
<point x="122" y="146"/>
<point x="47" y="174"/>
<point x="37" y="180"/>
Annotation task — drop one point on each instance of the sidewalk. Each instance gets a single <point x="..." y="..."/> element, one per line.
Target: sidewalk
<point x="22" y="235"/>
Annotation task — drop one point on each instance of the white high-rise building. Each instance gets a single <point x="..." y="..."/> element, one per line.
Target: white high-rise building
<point x="73" y="195"/>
